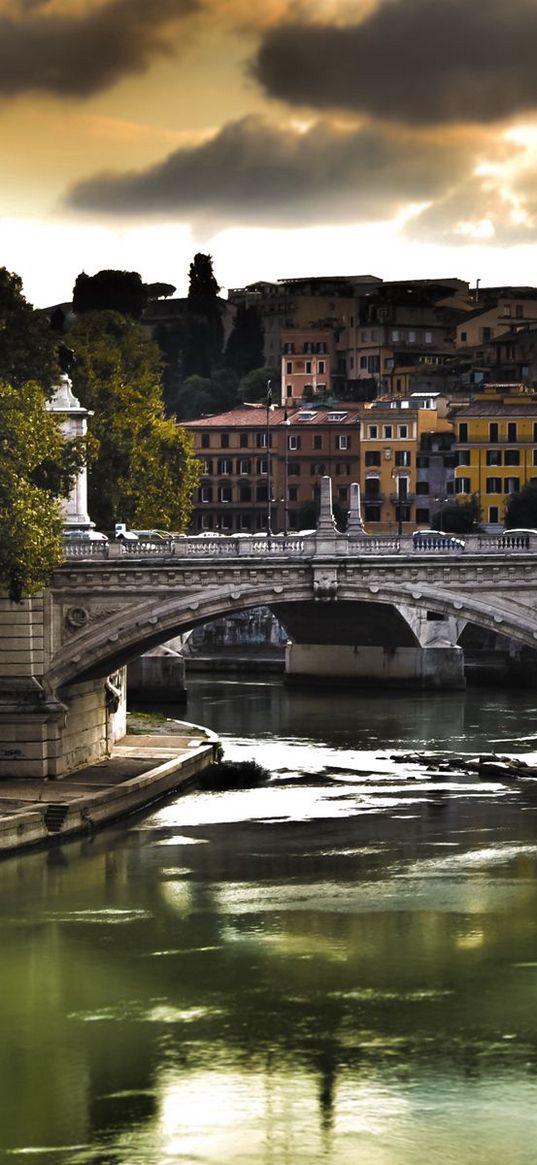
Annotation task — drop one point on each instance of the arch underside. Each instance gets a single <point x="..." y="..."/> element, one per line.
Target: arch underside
<point x="124" y="636"/>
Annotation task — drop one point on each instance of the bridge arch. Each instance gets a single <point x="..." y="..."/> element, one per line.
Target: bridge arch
<point x="105" y="646"/>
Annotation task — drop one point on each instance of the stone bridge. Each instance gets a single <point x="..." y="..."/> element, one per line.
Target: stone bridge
<point x="62" y="652"/>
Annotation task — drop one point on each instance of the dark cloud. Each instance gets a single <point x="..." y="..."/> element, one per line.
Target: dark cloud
<point x="80" y="53"/>
<point x="414" y="61"/>
<point x="252" y="172"/>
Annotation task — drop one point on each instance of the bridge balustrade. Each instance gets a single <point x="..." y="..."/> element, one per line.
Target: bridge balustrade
<point x="370" y="545"/>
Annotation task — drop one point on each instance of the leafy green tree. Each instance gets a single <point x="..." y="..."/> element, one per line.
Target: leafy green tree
<point x="521" y="509"/>
<point x="204" y="331"/>
<point x="36" y="467"/>
<point x="253" y="386"/>
<point x="244" y="349"/>
<point x="121" y="291"/>
<point x="145" y="471"/>
<point x="203" y="395"/>
<point x="457" y="517"/>
<point x="27" y="345"/>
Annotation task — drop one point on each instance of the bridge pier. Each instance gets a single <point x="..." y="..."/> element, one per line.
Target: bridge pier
<point x="425" y="668"/>
<point x="43" y="734"/>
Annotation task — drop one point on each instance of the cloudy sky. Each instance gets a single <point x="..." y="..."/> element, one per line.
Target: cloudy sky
<point x="287" y="137"/>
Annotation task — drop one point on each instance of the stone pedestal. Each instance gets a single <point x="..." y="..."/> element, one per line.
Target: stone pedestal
<point x="425" y="668"/>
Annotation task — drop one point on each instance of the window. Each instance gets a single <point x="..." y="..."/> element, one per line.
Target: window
<point x="261" y="440"/>
<point x="494" y="515"/>
<point x="519" y="311"/>
<point x="343" y="441"/>
<point x="372" y="487"/>
<point x="262" y="466"/>
<point x="462" y="485"/>
<point x="292" y="493"/>
<point x="422" y="516"/>
<point x="463" y="431"/>
<point x="372" y="513"/>
<point x="245" y="466"/>
<point x="206" y="493"/>
<point x="387" y="432"/>
<point x="493" y="431"/>
<point x="464" y="337"/>
<point x="245" y="493"/>
<point x="289" y="390"/>
<point x="224" y="440"/>
<point x="535" y="456"/>
<point x="463" y="457"/>
<point x="511" y="431"/>
<point x="243" y="440"/>
<point x="512" y="457"/>
<point x="403" y="457"/>
<point x="422" y="462"/>
<point x="207" y="466"/>
<point x="205" y="440"/>
<point x="512" y="485"/>
<point x="428" y="337"/>
<point x="321" y="366"/>
<point x="395" y="335"/>
<point x="293" y="469"/>
<point x="487" y="335"/>
<point x="224" y="493"/>
<point x="412" y="337"/>
<point x="493" y="485"/>
<point x="343" y="468"/>
<point x="372" y="457"/>
<point x="225" y="466"/>
<point x="261" y="493"/>
<point x="422" y="487"/>
<point x="363" y="361"/>
<point x="317" y="441"/>
<point x="293" y="442"/>
<point x="245" y="522"/>
<point x="372" y="432"/>
<point x="308" y="366"/>
<point x="494" y="457"/>
<point x="317" y="469"/>
<point x="289" y="367"/>
<point x="404" y="513"/>
<point x="364" y="337"/>
<point x="288" y="348"/>
<point x="343" y="493"/>
<point x="402" y="431"/>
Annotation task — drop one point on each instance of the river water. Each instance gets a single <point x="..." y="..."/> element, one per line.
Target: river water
<point x="338" y="968"/>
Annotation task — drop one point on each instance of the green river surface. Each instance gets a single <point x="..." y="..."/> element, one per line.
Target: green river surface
<point x="339" y="967"/>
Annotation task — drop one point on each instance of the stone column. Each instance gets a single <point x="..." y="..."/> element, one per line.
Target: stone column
<point x="73" y="423"/>
<point x="355" y="523"/>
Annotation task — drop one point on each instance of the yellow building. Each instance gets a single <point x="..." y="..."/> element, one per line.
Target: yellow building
<point x="496" y="442"/>
<point x="390" y="442"/>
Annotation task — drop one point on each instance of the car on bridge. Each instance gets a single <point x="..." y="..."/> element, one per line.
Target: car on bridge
<point x="436" y="539"/>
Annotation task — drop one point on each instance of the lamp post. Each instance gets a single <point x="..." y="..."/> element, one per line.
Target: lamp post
<point x="269" y="465"/>
<point x="399" y="496"/>
<point x="286" y="475"/>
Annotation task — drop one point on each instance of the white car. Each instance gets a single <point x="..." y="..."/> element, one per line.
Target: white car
<point x="84" y="536"/>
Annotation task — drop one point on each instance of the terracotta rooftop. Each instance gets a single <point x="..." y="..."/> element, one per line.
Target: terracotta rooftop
<point x="255" y="416"/>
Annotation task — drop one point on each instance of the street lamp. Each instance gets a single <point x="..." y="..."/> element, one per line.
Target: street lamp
<point x="269" y="466"/>
<point x="286" y="475"/>
<point x="399" y="498"/>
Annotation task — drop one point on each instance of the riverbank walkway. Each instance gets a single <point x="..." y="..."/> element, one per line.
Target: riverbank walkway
<point x="140" y="770"/>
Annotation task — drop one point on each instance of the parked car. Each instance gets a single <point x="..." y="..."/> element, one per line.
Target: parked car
<point x="84" y="536"/>
<point x="151" y="535"/>
<point x="448" y="541"/>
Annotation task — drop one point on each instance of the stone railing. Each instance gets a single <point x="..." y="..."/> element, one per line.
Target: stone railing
<point x="306" y="546"/>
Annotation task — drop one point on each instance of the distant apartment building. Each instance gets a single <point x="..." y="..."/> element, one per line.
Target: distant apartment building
<point x="307" y="364"/>
<point x="396" y="485"/>
<point x="260" y="463"/>
<point x="496" y="440"/>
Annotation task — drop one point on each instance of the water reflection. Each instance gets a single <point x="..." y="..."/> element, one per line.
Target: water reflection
<point x="283" y="982"/>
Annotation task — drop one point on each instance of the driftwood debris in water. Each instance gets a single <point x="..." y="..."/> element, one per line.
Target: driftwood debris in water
<point x="486" y="766"/>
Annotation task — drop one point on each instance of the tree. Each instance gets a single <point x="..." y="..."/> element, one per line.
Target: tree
<point x="27" y="346"/>
<point x="253" y="386"/>
<point x="244" y="349"/>
<point x="457" y="517"/>
<point x="521" y="509"/>
<point x="145" y="471"/>
<point x="204" y="331"/>
<point x="121" y="291"/>
<point x="200" y="395"/>
<point x="36" y="467"/>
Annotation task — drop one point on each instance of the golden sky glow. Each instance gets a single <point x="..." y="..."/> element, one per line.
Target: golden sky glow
<point x="286" y="137"/>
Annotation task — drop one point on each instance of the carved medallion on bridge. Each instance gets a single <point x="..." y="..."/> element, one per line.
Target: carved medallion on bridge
<point x="77" y="618"/>
<point x="325" y="584"/>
